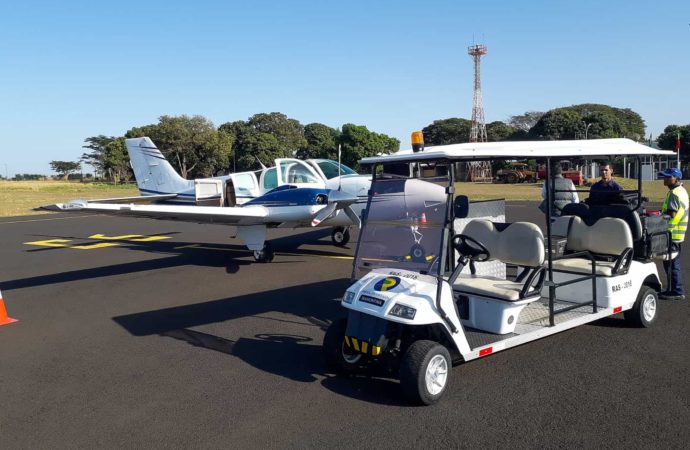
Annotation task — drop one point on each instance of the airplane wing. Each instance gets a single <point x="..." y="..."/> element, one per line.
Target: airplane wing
<point x="137" y="199"/>
<point x="246" y="215"/>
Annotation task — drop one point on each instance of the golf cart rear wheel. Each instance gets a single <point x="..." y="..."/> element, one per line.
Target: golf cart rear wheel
<point x="340" y="358"/>
<point x="425" y="372"/>
<point x="340" y="236"/>
<point x="644" y="311"/>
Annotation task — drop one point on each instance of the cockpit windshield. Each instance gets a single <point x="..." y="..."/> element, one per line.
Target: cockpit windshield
<point x="404" y="225"/>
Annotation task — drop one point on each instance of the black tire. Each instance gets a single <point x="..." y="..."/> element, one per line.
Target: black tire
<point x="417" y="253"/>
<point x="645" y="310"/>
<point x="265" y="255"/>
<point x="413" y="371"/>
<point x="340" y="236"/>
<point x="511" y="178"/>
<point x="337" y="355"/>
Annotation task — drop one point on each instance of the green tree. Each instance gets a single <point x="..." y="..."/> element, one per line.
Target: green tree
<point x="116" y="161"/>
<point x="358" y="142"/>
<point x="65" y="168"/>
<point x="288" y="132"/>
<point x="524" y="122"/>
<point x="263" y="138"/>
<point x="667" y="139"/>
<point x="322" y="142"/>
<point x="572" y="122"/>
<point x="192" y="144"/>
<point x="557" y="124"/>
<point x="447" y="131"/>
<point x="500" y="131"/>
<point x="97" y="145"/>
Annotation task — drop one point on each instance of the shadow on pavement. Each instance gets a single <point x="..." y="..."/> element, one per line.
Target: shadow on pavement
<point x="295" y="357"/>
<point x="230" y="256"/>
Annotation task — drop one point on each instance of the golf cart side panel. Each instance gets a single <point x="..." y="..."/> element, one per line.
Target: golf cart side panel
<point x="616" y="291"/>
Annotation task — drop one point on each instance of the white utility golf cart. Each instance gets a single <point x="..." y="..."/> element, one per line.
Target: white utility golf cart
<point x="420" y="302"/>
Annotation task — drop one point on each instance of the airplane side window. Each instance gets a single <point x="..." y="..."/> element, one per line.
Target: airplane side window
<point x="244" y="181"/>
<point x="299" y="174"/>
<point x="270" y="179"/>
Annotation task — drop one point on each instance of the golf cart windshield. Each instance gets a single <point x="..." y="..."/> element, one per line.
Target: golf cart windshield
<point x="404" y="225"/>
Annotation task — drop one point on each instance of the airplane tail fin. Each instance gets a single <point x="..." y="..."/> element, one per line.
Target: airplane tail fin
<point x="153" y="172"/>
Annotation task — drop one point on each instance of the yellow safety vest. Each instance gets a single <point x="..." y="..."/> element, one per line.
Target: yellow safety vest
<point x="678" y="223"/>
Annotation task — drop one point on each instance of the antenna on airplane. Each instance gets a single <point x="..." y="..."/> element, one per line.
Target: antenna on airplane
<point x="262" y="164"/>
<point x="340" y="180"/>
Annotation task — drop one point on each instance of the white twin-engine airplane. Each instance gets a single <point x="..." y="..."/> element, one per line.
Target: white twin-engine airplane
<point x="294" y="193"/>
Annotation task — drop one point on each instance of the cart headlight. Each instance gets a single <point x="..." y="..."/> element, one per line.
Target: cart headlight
<point x="349" y="297"/>
<point x="403" y="311"/>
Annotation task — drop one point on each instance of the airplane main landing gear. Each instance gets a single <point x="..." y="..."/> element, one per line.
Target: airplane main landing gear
<point x="264" y="255"/>
<point x="340" y="236"/>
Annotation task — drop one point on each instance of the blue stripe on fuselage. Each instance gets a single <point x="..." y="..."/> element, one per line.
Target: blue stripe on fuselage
<point x="289" y="196"/>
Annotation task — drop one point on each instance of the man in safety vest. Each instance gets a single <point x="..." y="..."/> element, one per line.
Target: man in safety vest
<point x="676" y="206"/>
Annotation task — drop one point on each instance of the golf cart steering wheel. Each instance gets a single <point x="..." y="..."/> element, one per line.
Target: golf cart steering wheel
<point x="470" y="247"/>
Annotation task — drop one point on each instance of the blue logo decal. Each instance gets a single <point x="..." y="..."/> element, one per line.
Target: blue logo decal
<point x="387" y="284"/>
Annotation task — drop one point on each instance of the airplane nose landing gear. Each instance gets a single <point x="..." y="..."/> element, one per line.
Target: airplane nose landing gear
<point x="264" y="255"/>
<point x="340" y="236"/>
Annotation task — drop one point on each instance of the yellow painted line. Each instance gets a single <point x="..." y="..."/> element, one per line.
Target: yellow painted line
<point x="129" y="237"/>
<point x="46" y="220"/>
<point x="50" y="243"/>
<point x="315" y="256"/>
<point x="150" y="238"/>
<point x="114" y="238"/>
<point x="94" y="246"/>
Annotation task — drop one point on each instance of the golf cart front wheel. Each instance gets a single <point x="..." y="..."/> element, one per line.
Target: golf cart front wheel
<point x="424" y="372"/>
<point x="644" y="311"/>
<point x="340" y="358"/>
<point x="340" y="236"/>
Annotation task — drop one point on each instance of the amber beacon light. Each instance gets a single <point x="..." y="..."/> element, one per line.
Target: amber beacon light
<point x="417" y="141"/>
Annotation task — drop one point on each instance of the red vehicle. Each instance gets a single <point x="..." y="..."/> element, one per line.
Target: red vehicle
<point x="568" y="172"/>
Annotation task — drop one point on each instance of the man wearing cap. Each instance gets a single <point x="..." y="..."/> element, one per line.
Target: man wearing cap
<point x="676" y="206"/>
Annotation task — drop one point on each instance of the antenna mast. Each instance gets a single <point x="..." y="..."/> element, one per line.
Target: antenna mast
<point x="478" y="131"/>
<point x="478" y="170"/>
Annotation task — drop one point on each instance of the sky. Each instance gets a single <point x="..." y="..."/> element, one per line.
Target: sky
<point x="74" y="69"/>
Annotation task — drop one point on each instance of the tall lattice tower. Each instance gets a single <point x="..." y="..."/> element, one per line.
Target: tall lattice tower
<point x="477" y="171"/>
<point x="478" y="132"/>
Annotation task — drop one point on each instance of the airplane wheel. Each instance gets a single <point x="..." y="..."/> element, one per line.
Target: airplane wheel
<point x="264" y="255"/>
<point x="417" y="253"/>
<point x="340" y="236"/>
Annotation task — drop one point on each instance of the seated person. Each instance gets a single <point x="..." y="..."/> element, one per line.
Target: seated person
<point x="564" y="194"/>
<point x="605" y="191"/>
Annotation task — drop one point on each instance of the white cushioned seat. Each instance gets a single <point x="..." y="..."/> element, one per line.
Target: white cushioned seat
<point x="489" y="287"/>
<point x="607" y="236"/>
<point x="584" y="266"/>
<point x="520" y="243"/>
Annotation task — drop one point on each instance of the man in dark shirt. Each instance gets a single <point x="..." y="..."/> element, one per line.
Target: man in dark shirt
<point x="606" y="190"/>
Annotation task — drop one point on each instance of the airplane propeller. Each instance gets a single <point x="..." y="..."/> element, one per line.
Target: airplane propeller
<point x="337" y="200"/>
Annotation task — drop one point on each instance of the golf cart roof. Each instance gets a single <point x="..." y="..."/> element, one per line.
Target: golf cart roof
<point x="593" y="148"/>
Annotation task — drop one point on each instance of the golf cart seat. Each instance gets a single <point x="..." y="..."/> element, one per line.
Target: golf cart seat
<point x="608" y="242"/>
<point x="518" y="243"/>
<point x="590" y="214"/>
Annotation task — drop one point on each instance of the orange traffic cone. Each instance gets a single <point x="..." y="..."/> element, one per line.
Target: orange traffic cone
<point x="4" y="319"/>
